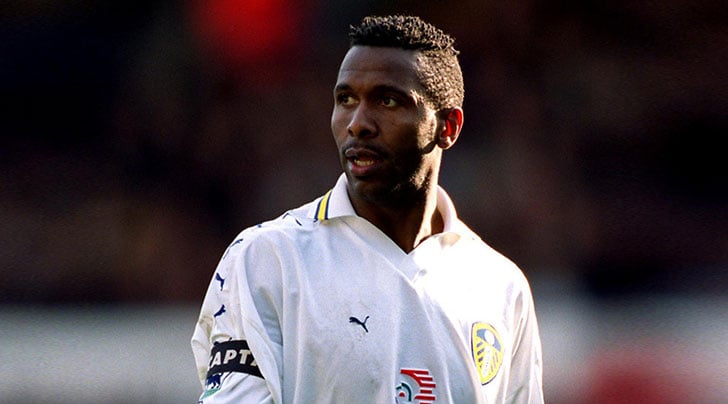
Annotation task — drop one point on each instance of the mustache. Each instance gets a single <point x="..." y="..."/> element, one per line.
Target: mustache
<point x="359" y="147"/>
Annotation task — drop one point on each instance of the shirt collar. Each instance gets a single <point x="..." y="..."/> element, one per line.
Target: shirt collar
<point x="336" y="203"/>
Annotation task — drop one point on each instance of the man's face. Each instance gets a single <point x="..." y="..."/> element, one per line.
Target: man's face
<point x="384" y="129"/>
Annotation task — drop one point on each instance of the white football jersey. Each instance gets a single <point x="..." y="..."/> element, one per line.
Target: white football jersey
<point x="320" y="306"/>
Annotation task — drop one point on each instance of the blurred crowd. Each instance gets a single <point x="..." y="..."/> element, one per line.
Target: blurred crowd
<point x="138" y="138"/>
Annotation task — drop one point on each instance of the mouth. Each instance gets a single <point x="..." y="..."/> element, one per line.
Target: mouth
<point x="361" y="161"/>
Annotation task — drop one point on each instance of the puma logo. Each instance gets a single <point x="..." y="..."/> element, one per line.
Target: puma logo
<point x="231" y="246"/>
<point x="363" y="324"/>
<point x="220" y="279"/>
<point x="294" y="218"/>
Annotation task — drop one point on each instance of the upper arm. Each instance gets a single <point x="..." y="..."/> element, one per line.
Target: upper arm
<point x="235" y="341"/>
<point x="525" y="384"/>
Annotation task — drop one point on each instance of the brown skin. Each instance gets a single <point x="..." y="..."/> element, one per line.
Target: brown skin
<point x="390" y="140"/>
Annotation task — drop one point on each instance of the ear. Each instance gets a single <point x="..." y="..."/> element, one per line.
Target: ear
<point x="452" y="123"/>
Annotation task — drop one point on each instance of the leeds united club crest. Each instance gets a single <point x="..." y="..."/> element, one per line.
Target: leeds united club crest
<point x="487" y="351"/>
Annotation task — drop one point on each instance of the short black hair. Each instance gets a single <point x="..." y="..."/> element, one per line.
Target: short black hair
<point x="439" y="73"/>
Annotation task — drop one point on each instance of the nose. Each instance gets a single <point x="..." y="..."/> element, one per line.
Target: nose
<point x="361" y="123"/>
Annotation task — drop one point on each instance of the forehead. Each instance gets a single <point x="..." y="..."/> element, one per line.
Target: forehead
<point x="379" y="66"/>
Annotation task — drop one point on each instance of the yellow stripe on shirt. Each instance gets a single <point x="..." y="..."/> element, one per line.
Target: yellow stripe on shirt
<point x="322" y="212"/>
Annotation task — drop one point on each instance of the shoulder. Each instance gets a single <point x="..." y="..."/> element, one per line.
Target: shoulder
<point x="493" y="263"/>
<point x="291" y="230"/>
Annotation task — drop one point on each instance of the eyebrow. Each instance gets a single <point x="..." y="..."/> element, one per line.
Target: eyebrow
<point x="342" y="87"/>
<point x="381" y="88"/>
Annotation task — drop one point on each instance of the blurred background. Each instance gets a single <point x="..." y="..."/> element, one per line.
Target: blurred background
<point x="139" y="137"/>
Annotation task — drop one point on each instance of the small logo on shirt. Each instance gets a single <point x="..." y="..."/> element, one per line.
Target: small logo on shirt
<point x="487" y="351"/>
<point x="227" y="250"/>
<point x="363" y="324"/>
<point x="220" y="279"/>
<point x="422" y="391"/>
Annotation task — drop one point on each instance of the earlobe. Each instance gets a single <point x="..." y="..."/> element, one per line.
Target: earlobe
<point x="452" y="124"/>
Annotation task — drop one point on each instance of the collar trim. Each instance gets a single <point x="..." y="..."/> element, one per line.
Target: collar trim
<point x="335" y="203"/>
<point x="322" y="210"/>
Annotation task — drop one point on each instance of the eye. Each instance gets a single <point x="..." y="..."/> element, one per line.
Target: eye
<point x="390" y="102"/>
<point x="345" y="99"/>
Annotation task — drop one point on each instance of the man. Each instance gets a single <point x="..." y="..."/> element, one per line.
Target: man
<point x="375" y="292"/>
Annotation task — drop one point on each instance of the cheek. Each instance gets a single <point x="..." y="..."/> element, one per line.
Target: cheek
<point x="338" y="127"/>
<point x="417" y="137"/>
<point x="429" y="130"/>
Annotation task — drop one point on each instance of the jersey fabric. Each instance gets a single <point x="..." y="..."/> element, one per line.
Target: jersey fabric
<point x="320" y="306"/>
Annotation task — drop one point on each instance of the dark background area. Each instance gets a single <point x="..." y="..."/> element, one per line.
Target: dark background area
<point x="138" y="138"/>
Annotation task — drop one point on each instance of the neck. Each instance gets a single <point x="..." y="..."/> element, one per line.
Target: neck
<point x="409" y="224"/>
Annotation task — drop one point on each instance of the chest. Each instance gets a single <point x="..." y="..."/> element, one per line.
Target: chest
<point x="355" y="305"/>
<point x="351" y="281"/>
